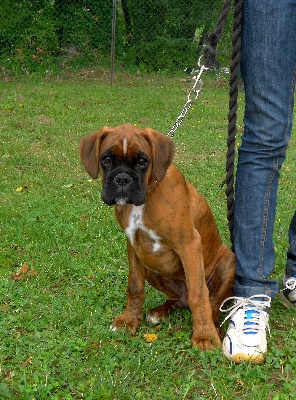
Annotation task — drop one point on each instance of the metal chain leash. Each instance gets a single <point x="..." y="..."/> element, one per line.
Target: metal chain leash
<point x="191" y="98"/>
<point x="209" y="54"/>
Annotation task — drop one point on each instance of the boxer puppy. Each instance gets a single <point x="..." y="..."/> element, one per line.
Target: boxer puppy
<point x="172" y="238"/>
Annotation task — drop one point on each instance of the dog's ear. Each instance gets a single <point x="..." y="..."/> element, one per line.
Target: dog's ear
<point x="163" y="150"/>
<point x="89" y="150"/>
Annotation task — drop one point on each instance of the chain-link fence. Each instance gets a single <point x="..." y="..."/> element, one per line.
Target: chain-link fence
<point x="148" y="35"/>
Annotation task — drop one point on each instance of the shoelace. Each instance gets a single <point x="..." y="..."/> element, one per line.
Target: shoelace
<point x="290" y="284"/>
<point x="254" y="308"/>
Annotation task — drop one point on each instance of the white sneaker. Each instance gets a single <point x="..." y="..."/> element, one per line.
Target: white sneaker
<point x="245" y="339"/>
<point x="287" y="294"/>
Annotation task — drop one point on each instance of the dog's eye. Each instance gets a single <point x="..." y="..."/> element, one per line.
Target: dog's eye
<point x="142" y="162"/>
<point x="106" y="160"/>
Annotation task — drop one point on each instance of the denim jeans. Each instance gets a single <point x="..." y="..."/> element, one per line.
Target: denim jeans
<point x="268" y="71"/>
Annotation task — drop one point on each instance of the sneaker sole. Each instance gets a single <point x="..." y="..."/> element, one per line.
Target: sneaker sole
<point x="254" y="358"/>
<point x="283" y="299"/>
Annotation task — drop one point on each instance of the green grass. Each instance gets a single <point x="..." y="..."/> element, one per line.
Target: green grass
<point x="55" y="341"/>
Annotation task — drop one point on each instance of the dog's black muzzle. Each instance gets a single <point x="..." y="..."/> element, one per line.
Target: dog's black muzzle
<point x="123" y="187"/>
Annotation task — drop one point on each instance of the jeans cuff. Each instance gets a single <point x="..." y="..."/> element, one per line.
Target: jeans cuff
<point x="248" y="291"/>
<point x="291" y="270"/>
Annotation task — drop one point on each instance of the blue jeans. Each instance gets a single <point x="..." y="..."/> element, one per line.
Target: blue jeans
<point x="268" y="70"/>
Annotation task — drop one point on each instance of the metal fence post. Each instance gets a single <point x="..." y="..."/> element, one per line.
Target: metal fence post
<point x="113" y="42"/>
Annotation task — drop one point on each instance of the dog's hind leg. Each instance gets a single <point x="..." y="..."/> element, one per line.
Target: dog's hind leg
<point x="176" y="292"/>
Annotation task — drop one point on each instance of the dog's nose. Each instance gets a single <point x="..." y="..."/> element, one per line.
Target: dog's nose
<point x="122" y="179"/>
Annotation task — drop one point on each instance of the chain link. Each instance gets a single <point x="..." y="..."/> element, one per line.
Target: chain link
<point x="191" y="98"/>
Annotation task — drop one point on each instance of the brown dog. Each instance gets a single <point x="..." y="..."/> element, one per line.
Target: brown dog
<point x="172" y="238"/>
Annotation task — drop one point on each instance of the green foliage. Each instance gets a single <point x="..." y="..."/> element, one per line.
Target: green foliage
<point x="169" y="37"/>
<point x="145" y="20"/>
<point x="162" y="54"/>
<point x="46" y="36"/>
<point x="84" y="23"/>
<point x="27" y="35"/>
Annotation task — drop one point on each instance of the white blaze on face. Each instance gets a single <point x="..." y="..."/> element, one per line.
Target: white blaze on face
<point x="124" y="147"/>
<point x="135" y="223"/>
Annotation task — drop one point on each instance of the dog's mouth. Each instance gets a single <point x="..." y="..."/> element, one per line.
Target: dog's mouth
<point x="119" y="200"/>
<point x="122" y="201"/>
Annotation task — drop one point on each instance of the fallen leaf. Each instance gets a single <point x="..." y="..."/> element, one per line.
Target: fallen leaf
<point x="150" y="337"/>
<point x="21" y="272"/>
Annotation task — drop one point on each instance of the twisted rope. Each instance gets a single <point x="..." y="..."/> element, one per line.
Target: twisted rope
<point x="212" y="39"/>
<point x="210" y="62"/>
<point x="232" y="116"/>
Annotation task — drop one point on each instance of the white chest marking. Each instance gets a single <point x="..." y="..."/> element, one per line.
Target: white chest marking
<point x="135" y="223"/>
<point x="124" y="147"/>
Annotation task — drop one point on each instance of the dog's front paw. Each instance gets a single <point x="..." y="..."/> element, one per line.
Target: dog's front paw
<point x="206" y="343"/>
<point x="130" y="321"/>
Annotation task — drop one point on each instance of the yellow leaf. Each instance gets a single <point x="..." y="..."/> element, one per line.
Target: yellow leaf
<point x="150" y="337"/>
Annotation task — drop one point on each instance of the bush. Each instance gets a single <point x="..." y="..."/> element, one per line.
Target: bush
<point x="41" y="35"/>
<point x="46" y="35"/>
<point x="162" y="54"/>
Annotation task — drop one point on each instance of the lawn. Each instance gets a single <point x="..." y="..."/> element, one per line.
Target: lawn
<point x="63" y="263"/>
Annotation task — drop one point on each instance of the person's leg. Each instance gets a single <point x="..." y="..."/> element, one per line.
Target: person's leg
<point x="288" y="292"/>
<point x="291" y="255"/>
<point x="268" y="68"/>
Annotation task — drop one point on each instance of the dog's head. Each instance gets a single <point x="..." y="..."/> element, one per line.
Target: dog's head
<point x="128" y="159"/>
